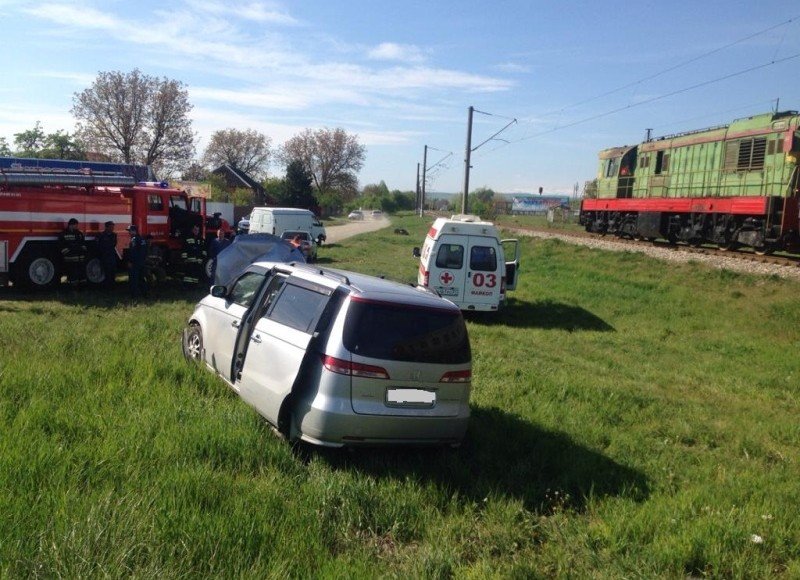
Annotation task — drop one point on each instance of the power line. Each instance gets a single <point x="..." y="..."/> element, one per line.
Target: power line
<point x="677" y="66"/>
<point x="659" y="97"/>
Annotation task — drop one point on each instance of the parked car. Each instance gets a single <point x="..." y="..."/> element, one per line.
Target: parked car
<point x="355" y="215"/>
<point x="337" y="358"/>
<point x="307" y="245"/>
<point x="376" y="213"/>
<point x="243" y="227"/>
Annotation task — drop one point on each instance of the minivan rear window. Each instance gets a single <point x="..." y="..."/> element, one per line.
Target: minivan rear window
<point x="406" y="333"/>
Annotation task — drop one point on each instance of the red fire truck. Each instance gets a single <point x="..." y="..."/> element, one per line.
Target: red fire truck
<point x="35" y="205"/>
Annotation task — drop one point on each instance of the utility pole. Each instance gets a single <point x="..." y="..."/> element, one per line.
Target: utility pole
<point x="467" y="155"/>
<point x="424" y="179"/>
<point x="648" y="134"/>
<point x="417" y="205"/>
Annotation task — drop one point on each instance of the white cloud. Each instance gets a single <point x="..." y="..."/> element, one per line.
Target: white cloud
<point x="512" y="67"/>
<point x="253" y="11"/>
<point x="397" y="52"/>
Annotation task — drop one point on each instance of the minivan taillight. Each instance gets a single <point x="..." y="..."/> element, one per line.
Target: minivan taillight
<point x="456" y="377"/>
<point x="344" y="367"/>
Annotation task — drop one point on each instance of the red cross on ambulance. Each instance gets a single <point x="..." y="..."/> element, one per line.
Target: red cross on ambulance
<point x="446" y="278"/>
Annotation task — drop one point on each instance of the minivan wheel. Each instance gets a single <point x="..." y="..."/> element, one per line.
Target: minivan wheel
<point x="193" y="343"/>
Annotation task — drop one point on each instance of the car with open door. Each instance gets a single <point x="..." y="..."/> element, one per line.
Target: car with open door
<point x="338" y="358"/>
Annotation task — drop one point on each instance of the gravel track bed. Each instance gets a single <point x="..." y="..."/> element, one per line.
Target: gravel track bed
<point x="672" y="255"/>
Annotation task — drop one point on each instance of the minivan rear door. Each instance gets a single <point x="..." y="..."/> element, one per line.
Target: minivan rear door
<point x="279" y="343"/>
<point x="511" y="250"/>
<point x="447" y="274"/>
<point x="483" y="271"/>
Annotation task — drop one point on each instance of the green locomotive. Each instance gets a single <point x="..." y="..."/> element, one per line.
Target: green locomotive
<point x="732" y="185"/>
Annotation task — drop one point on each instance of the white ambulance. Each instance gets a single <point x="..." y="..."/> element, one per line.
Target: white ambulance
<point x="464" y="260"/>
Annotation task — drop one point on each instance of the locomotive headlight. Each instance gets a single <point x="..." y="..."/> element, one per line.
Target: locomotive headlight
<point x="791" y="157"/>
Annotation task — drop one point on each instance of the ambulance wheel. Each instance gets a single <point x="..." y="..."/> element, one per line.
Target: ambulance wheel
<point x="193" y="343"/>
<point x="39" y="272"/>
<point x="94" y="271"/>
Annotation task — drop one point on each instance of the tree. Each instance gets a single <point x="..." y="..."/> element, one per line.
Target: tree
<point x="194" y="172"/>
<point x="5" y="150"/>
<point x="248" y="151"/>
<point x="136" y="118"/>
<point x="332" y="157"/>
<point x="30" y="142"/>
<point x="61" y="145"/>
<point x="299" y="192"/>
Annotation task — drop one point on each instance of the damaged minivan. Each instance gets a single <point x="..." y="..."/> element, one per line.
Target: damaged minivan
<point x="337" y="358"/>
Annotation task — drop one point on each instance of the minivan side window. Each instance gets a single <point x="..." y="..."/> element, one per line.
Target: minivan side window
<point x="450" y="256"/>
<point x="482" y="259"/>
<point x="245" y="288"/>
<point x="298" y="307"/>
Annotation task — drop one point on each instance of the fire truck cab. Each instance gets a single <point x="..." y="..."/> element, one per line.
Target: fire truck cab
<point x="35" y="206"/>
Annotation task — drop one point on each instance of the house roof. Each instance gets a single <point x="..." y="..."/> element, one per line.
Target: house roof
<point x="237" y="175"/>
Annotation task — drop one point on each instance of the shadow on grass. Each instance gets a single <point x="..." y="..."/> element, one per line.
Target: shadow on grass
<point x="506" y="456"/>
<point x="545" y="314"/>
<point x="98" y="297"/>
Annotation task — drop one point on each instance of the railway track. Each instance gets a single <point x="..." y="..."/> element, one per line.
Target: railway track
<point x="782" y="265"/>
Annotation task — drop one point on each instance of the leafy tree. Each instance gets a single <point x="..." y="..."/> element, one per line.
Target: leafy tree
<point x="404" y="200"/>
<point x="217" y="187"/>
<point x="136" y="118"/>
<point x="61" y="145"/>
<point x="29" y="143"/>
<point x="194" y="172"/>
<point x="332" y="157"/>
<point x="246" y="150"/>
<point x="5" y="150"/>
<point x="242" y="196"/>
<point x="299" y="191"/>
<point x="376" y="189"/>
<point x="275" y="189"/>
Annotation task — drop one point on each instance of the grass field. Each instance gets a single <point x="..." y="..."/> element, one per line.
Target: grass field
<point x="630" y="419"/>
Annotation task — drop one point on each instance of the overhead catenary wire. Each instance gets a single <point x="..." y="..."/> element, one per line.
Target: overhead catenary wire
<point x="659" y="97"/>
<point x="679" y="65"/>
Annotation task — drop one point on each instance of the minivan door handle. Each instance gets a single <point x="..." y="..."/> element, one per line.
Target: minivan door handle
<point x="235" y="324"/>
<point x="256" y="338"/>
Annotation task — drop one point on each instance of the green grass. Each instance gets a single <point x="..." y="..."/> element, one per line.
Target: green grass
<point x="631" y="418"/>
<point x="539" y="222"/>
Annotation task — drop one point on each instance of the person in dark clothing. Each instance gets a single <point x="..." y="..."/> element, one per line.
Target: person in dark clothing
<point x="218" y="244"/>
<point x="107" y="252"/>
<point x="137" y="256"/>
<point x="73" y="252"/>
<point x="193" y="256"/>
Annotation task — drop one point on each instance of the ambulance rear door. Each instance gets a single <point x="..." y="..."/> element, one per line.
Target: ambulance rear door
<point x="484" y="271"/>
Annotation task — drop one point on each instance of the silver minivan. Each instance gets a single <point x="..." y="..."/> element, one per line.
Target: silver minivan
<point x="337" y="358"/>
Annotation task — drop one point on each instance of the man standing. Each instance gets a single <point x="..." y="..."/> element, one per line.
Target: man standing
<point x="193" y="256"/>
<point x="218" y="244"/>
<point x="73" y="252"/>
<point x="107" y="252"/>
<point x="137" y="255"/>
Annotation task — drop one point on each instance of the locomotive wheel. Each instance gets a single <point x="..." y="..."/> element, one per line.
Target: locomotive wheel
<point x="727" y="246"/>
<point x="764" y="250"/>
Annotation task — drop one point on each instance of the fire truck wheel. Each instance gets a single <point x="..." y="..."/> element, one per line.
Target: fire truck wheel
<point x="39" y="272"/>
<point x="193" y="343"/>
<point x="94" y="271"/>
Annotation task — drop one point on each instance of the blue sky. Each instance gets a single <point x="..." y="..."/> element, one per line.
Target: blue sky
<point x="402" y="74"/>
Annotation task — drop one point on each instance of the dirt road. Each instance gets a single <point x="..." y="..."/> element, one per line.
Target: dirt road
<point x="338" y="233"/>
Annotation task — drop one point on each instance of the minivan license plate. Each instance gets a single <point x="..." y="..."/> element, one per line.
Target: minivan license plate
<point x="410" y="398"/>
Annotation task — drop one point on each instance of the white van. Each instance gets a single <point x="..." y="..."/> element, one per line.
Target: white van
<point x="464" y="260"/>
<point x="276" y="220"/>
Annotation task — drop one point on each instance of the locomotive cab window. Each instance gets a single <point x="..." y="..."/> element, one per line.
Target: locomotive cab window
<point x="662" y="162"/>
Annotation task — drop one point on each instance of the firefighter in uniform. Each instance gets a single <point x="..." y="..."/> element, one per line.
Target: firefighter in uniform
<point x="193" y="256"/>
<point x="73" y="252"/>
<point x="107" y="252"/>
<point x="137" y="255"/>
